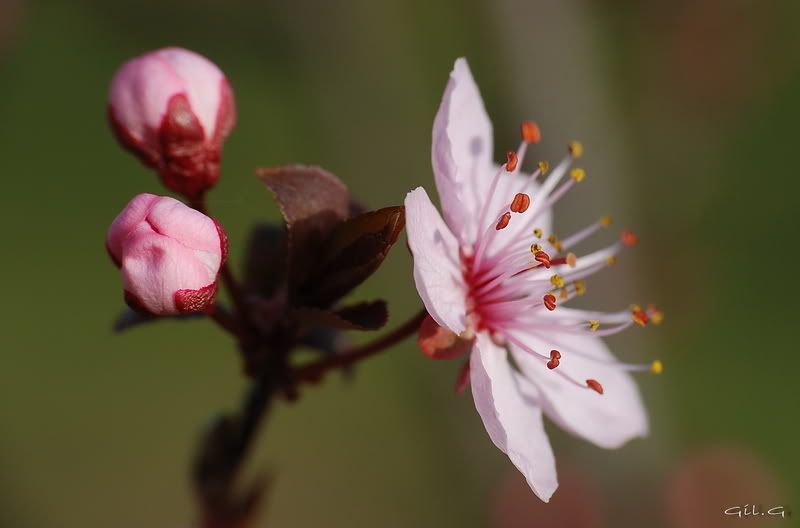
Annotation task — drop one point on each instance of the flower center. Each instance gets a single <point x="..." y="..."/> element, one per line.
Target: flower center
<point x="516" y="274"/>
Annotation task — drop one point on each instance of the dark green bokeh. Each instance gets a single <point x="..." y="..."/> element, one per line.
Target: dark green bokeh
<point x="693" y="102"/>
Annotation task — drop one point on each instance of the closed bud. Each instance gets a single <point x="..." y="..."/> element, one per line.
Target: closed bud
<point x="169" y="255"/>
<point x="173" y="108"/>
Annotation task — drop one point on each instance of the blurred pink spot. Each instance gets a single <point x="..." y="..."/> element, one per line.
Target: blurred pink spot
<point x="718" y="478"/>
<point x="578" y="504"/>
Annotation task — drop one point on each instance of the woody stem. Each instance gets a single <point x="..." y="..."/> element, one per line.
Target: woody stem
<point x="315" y="371"/>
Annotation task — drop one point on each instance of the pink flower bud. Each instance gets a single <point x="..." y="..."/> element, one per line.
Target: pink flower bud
<point x="169" y="255"/>
<point x="173" y="108"/>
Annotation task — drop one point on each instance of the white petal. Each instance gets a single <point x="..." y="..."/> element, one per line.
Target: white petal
<point x="608" y="420"/>
<point x="437" y="269"/>
<point x="462" y="151"/>
<point x="513" y="421"/>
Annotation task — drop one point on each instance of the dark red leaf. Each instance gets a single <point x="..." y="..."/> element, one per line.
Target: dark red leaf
<point x="354" y="251"/>
<point x="313" y="203"/>
<point x="363" y="316"/>
<point x="265" y="264"/>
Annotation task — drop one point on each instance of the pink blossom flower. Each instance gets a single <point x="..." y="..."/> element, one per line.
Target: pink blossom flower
<point x="494" y="278"/>
<point x="173" y="108"/>
<point x="169" y="255"/>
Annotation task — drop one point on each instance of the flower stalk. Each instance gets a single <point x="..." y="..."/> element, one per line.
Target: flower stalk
<point x="315" y="371"/>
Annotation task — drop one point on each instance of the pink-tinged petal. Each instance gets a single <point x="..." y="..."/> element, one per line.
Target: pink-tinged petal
<point x="462" y="150"/>
<point x="203" y="81"/>
<point x="437" y="271"/>
<point x="192" y="228"/>
<point x="168" y="253"/>
<point x="139" y="95"/>
<point x="155" y="267"/>
<point x="173" y="109"/>
<point x="608" y="420"/>
<point x="513" y="421"/>
<point x="133" y="214"/>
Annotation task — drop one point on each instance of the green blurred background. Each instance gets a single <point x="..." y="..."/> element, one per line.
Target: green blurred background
<point x="689" y="113"/>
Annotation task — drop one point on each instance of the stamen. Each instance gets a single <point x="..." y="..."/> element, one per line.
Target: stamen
<point x="572" y="260"/>
<point x="594" y="385"/>
<point x="575" y="149"/>
<point x="543" y="258"/>
<point x="555" y="242"/>
<point x="606" y="221"/>
<point x="594" y="324"/>
<point x="656" y="315"/>
<point x="520" y="203"/>
<point x="511" y="161"/>
<point x="536" y="248"/>
<point x="577" y="174"/>
<point x="585" y="233"/>
<point x="537" y="233"/>
<point x="557" y="281"/>
<point x="612" y="260"/>
<point x="549" y="301"/>
<point x="564" y="294"/>
<point x="656" y="367"/>
<point x="629" y="238"/>
<point x="530" y="132"/>
<point x="503" y="222"/>
<point x="580" y="287"/>
<point x="555" y="357"/>
<point x="639" y="316"/>
<point x="544" y="166"/>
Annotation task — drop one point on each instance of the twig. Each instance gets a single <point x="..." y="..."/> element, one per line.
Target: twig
<point x="315" y="371"/>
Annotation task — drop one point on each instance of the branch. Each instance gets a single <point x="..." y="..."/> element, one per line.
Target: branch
<point x="315" y="371"/>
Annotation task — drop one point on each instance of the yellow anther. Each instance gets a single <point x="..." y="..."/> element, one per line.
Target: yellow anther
<point x="636" y="308"/>
<point x="555" y="242"/>
<point x="557" y="281"/>
<point x="535" y="248"/>
<point x="575" y="149"/>
<point x="577" y="174"/>
<point x="544" y="167"/>
<point x="537" y="233"/>
<point x="580" y="287"/>
<point x="657" y="367"/>
<point x="611" y="260"/>
<point x="572" y="260"/>
<point x="656" y="315"/>
<point x="564" y="294"/>
<point x="606" y="221"/>
<point x="594" y="324"/>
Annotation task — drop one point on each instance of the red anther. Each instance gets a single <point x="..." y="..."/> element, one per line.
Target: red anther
<point x="555" y="356"/>
<point x="511" y="161"/>
<point x="543" y="258"/>
<point x="629" y="238"/>
<point x="520" y="203"/>
<point x="594" y="385"/>
<point x="530" y="132"/>
<point x="549" y="301"/>
<point x="640" y="317"/>
<point x="503" y="222"/>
